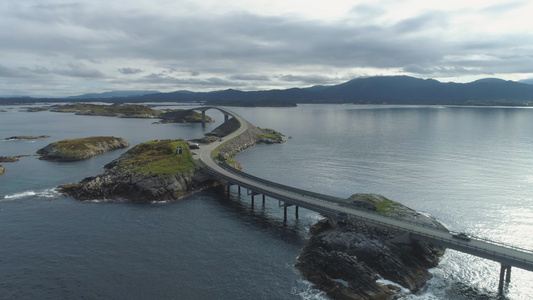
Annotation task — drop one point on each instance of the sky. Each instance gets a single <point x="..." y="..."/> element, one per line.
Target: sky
<point x="57" y="48"/>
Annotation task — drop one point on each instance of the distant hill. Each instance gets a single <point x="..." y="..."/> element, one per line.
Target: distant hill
<point x="113" y="94"/>
<point x="369" y="90"/>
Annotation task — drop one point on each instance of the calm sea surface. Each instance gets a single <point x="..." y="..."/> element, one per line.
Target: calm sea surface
<point x="471" y="168"/>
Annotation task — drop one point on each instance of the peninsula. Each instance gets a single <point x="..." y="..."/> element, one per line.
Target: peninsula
<point x="79" y="149"/>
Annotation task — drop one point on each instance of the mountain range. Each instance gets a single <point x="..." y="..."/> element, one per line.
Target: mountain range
<point x="369" y="90"/>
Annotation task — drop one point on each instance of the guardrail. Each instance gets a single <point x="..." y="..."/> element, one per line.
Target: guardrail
<point x="321" y="197"/>
<point x="450" y="242"/>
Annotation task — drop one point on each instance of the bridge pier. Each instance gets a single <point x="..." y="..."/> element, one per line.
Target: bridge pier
<point x="505" y="273"/>
<point x="226" y="118"/>
<point x="203" y="117"/>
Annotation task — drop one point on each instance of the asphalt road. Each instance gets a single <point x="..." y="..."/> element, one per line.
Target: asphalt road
<point x="487" y="249"/>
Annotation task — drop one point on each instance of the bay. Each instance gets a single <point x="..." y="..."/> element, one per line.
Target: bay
<point x="469" y="167"/>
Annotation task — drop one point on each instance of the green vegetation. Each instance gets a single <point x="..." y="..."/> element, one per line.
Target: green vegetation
<point x="131" y="110"/>
<point x="159" y="158"/>
<point x="383" y="205"/>
<point x="83" y="144"/>
<point x="268" y="135"/>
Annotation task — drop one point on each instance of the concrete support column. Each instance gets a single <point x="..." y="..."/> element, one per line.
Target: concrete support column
<point x="203" y="117"/>
<point x="263" y="199"/>
<point x="239" y="189"/>
<point x="253" y="201"/>
<point x="296" y="211"/>
<point x="507" y="277"/>
<point x="284" y="214"/>
<point x="226" y="118"/>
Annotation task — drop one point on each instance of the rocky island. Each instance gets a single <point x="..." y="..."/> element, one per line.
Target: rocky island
<point x="156" y="171"/>
<point x="2" y="170"/>
<point x="128" y="111"/>
<point x="347" y="261"/>
<point x="79" y="149"/>
<point x="151" y="171"/>
<point x="25" y="137"/>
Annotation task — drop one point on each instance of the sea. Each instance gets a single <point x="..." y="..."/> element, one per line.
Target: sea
<point x="469" y="167"/>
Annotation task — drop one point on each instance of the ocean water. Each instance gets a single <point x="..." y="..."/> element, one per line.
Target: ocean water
<point x="471" y="168"/>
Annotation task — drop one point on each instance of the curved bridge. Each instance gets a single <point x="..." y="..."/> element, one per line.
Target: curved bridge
<point x="332" y="207"/>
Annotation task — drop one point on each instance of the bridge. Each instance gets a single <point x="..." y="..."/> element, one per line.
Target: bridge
<point x="337" y="210"/>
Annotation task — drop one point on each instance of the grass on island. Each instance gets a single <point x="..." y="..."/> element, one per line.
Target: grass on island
<point x="83" y="144"/>
<point x="268" y="134"/>
<point x="108" y="110"/>
<point x="160" y="158"/>
<point x="383" y="205"/>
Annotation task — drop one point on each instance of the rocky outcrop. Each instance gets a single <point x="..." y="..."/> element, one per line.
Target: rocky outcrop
<point x="2" y="170"/>
<point x="183" y="116"/>
<point x="347" y="261"/>
<point x="25" y="137"/>
<point x="80" y="149"/>
<point x="8" y="159"/>
<point x="151" y="171"/>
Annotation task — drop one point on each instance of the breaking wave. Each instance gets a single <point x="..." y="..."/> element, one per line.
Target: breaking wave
<point x="52" y="193"/>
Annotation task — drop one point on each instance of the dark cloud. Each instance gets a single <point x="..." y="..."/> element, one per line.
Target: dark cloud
<point x="241" y="49"/>
<point x="250" y="77"/>
<point x="307" y="79"/>
<point x="130" y="71"/>
<point x="9" y="72"/>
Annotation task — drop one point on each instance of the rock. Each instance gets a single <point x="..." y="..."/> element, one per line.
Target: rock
<point x="254" y="135"/>
<point x="25" y="137"/>
<point x="151" y="171"/>
<point x="2" y="170"/>
<point x="8" y="159"/>
<point x="183" y="116"/>
<point x="346" y="261"/>
<point x="79" y="149"/>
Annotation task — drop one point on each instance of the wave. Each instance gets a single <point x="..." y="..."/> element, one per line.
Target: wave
<point x="51" y="193"/>
<point x="306" y="291"/>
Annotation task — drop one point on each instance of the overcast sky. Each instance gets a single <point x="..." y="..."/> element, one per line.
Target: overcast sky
<point x="62" y="48"/>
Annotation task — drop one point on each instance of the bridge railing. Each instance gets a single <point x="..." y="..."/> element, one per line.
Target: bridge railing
<point x="321" y="197"/>
<point x="446" y="242"/>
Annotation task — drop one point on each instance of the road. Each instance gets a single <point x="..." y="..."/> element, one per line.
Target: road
<point x="509" y="256"/>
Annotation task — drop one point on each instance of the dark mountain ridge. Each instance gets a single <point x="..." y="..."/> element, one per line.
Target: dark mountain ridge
<point x="368" y="90"/>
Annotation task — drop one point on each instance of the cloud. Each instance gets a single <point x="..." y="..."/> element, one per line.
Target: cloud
<point x="238" y="46"/>
<point x="130" y="71"/>
<point x="250" y="77"/>
<point x="307" y="79"/>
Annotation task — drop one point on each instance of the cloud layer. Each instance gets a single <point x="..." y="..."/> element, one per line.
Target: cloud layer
<point x="61" y="48"/>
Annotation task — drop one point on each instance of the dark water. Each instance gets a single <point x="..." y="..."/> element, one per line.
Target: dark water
<point x="469" y="167"/>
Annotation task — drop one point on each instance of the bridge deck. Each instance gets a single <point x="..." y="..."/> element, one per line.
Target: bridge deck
<point x="332" y="207"/>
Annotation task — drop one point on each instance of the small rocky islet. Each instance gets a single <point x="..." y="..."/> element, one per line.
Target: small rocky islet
<point x="83" y="148"/>
<point x="347" y="260"/>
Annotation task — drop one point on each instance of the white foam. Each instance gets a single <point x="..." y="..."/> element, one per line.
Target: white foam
<point x="308" y="292"/>
<point x="383" y="281"/>
<point x="20" y="195"/>
<point x="51" y="193"/>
